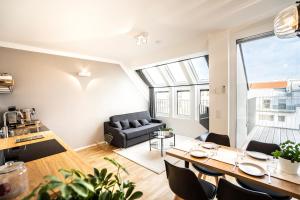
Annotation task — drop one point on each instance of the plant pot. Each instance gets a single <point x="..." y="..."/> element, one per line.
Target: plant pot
<point x="288" y="167"/>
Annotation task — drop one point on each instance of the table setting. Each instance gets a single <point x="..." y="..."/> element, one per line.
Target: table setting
<point x="252" y="163"/>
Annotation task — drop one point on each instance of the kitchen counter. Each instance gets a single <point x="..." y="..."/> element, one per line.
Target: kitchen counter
<point x="39" y="168"/>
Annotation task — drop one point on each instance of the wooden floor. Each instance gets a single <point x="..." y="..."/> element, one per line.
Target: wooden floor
<point x="154" y="186"/>
<point x="274" y="135"/>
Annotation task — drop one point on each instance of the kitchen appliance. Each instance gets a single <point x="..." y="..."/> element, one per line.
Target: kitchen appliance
<point x="13" y="117"/>
<point x="29" y="115"/>
<point x="13" y="180"/>
<point x="31" y="152"/>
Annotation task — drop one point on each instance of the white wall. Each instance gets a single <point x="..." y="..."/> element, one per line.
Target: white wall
<point x="218" y="49"/>
<point x="74" y="108"/>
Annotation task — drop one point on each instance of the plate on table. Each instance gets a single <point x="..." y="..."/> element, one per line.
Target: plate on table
<point x="258" y="155"/>
<point x="198" y="153"/>
<point x="251" y="169"/>
<point x="209" y="145"/>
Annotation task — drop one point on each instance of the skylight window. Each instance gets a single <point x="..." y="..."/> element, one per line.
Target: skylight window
<point x="200" y="68"/>
<point x="154" y="76"/>
<point x="177" y="73"/>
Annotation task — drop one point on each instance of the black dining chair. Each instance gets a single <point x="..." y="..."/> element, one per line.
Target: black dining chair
<point x="266" y="148"/>
<point x="185" y="184"/>
<point x="203" y="171"/>
<point x="229" y="191"/>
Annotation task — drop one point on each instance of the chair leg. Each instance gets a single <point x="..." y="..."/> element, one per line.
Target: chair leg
<point x="217" y="180"/>
<point x="200" y="175"/>
<point x="204" y="177"/>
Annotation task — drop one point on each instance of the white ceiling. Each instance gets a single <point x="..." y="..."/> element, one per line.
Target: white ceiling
<point x="106" y="28"/>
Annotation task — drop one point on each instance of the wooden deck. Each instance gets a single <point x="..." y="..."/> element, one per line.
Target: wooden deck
<point x="274" y="135"/>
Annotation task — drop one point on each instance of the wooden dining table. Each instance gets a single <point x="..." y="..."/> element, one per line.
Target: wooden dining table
<point x="276" y="185"/>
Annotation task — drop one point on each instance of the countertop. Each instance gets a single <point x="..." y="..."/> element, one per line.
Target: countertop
<point x="39" y="168"/>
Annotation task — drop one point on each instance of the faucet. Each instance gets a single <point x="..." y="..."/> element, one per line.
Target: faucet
<point x="5" y="128"/>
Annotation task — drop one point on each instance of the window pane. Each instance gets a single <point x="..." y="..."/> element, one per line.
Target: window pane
<point x="204" y="102"/>
<point x="177" y="73"/>
<point x="155" y="76"/>
<point x="272" y="59"/>
<point x="200" y="68"/>
<point x="162" y="102"/>
<point x="183" y="102"/>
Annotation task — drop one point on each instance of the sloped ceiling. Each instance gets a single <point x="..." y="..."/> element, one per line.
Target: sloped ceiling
<point x="106" y="28"/>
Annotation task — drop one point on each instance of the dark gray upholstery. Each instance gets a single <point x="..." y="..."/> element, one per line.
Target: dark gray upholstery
<point x="131" y="116"/>
<point x="132" y="136"/>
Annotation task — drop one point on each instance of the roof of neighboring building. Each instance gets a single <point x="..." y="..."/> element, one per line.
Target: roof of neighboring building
<point x="269" y="85"/>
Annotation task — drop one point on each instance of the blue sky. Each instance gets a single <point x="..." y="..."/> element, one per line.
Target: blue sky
<point x="271" y="59"/>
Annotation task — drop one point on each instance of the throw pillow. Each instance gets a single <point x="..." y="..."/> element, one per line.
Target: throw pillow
<point x="116" y="124"/>
<point x="125" y="124"/>
<point x="135" y="124"/>
<point x="144" y="122"/>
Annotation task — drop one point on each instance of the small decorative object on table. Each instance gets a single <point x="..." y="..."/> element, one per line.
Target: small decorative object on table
<point x="77" y="185"/>
<point x="289" y="157"/>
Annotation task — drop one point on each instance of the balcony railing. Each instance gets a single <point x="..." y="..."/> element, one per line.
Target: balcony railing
<point x="162" y="106"/>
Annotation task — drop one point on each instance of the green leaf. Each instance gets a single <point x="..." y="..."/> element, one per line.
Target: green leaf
<point x="84" y="184"/>
<point x="136" y="195"/>
<point x="66" y="173"/>
<point x="103" y="173"/>
<point x="32" y="194"/>
<point x="51" y="178"/>
<point x="44" y="196"/>
<point x="96" y="172"/>
<point x="66" y="191"/>
<point x="129" y="191"/>
<point x="79" y="189"/>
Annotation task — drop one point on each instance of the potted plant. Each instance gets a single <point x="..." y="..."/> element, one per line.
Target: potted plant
<point x="101" y="185"/>
<point x="289" y="157"/>
<point x="169" y="130"/>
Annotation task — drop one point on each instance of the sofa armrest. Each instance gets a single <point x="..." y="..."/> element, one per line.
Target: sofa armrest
<point x="119" y="139"/>
<point x="156" y="120"/>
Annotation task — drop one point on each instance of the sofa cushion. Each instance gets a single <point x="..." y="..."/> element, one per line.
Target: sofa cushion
<point x="125" y="124"/>
<point x="144" y="122"/>
<point x="116" y="125"/>
<point x="143" y="130"/>
<point x="131" y="116"/>
<point x="135" y="124"/>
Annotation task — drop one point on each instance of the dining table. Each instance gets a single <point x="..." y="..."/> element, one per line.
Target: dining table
<point x="223" y="161"/>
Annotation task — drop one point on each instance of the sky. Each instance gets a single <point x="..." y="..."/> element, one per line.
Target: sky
<point x="272" y="59"/>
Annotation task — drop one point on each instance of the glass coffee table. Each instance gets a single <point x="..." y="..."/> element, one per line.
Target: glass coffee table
<point x="160" y="140"/>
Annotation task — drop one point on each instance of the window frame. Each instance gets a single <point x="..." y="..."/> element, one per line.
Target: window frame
<point x="169" y="103"/>
<point x="176" y="114"/>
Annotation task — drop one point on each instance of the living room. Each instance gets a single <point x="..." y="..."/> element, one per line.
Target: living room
<point x="153" y="89"/>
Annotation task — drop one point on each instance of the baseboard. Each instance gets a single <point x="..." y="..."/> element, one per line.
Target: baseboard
<point x="88" y="146"/>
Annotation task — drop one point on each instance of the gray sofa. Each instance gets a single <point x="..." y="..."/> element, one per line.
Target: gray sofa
<point x="131" y="136"/>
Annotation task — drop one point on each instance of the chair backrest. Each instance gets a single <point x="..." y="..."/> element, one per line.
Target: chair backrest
<point x="218" y="139"/>
<point x="266" y="148"/>
<point x="184" y="183"/>
<point x="229" y="191"/>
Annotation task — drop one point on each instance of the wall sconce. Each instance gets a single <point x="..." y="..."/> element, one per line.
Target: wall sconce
<point x="84" y="73"/>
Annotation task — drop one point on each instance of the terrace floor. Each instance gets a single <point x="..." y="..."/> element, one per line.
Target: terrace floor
<point x="274" y="135"/>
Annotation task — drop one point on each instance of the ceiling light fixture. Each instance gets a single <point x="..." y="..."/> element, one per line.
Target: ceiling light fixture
<point x="84" y="73"/>
<point x="287" y="22"/>
<point x="141" y="39"/>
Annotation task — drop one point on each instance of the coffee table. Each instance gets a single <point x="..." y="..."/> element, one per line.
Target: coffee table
<point x="159" y="144"/>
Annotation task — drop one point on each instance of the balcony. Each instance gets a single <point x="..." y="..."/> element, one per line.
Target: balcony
<point x="276" y="119"/>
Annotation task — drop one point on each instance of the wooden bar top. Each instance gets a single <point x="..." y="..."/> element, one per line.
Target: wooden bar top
<point x="50" y="165"/>
<point x="277" y="185"/>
